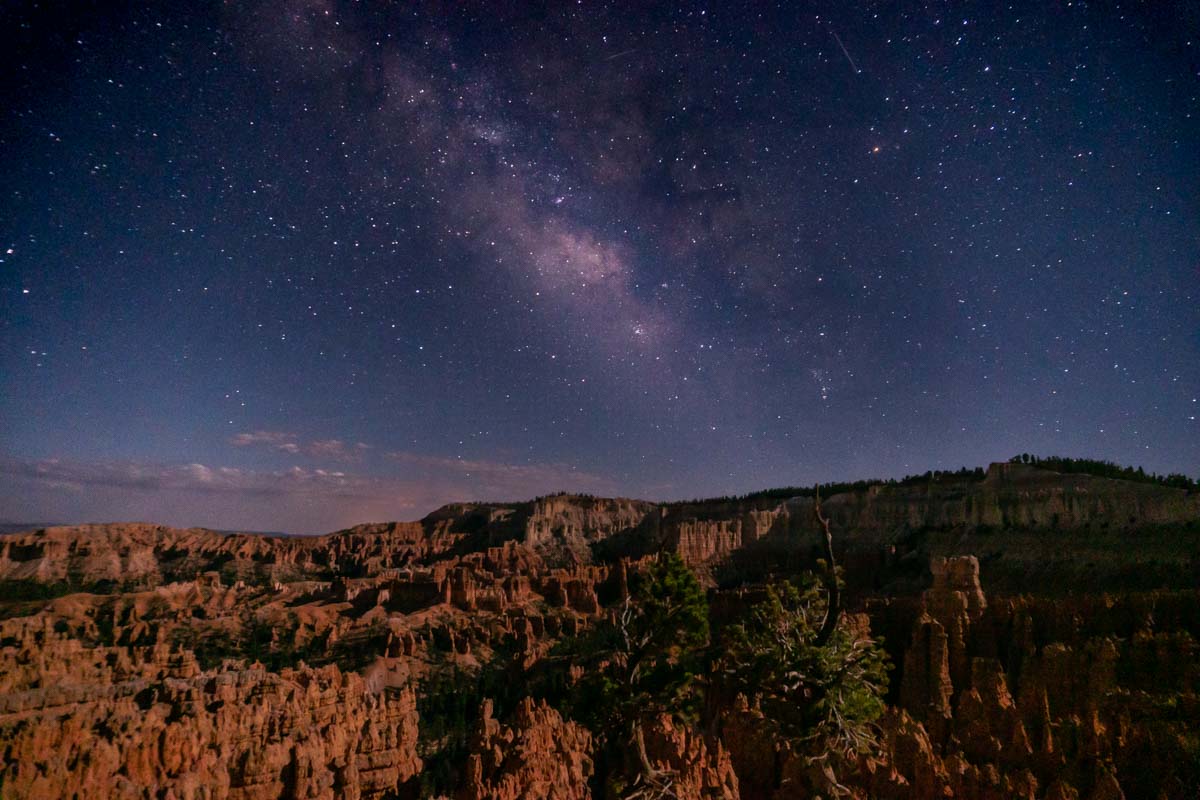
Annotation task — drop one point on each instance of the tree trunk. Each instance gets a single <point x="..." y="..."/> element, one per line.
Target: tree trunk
<point x="650" y="782"/>
<point x="639" y="741"/>
<point x="833" y="609"/>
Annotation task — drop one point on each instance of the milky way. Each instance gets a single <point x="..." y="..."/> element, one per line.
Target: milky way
<point x="296" y="265"/>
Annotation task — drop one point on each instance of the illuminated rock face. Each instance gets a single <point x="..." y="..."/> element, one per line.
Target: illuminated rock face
<point x="144" y="661"/>
<point x="536" y="756"/>
<point x="236" y="734"/>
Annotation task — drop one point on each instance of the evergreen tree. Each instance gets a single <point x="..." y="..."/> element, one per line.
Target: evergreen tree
<point x="818" y="684"/>
<point x="820" y="696"/>
<point x="643" y="661"/>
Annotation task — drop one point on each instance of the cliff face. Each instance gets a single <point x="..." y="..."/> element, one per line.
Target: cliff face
<point x="144" y="661"/>
<point x="1013" y="496"/>
<point x="586" y="519"/>
<point x="1021" y="696"/>
<point x="708" y="535"/>
<point x="1032" y="529"/>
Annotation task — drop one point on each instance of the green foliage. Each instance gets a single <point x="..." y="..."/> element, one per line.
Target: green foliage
<point x="654" y="655"/>
<point x="576" y="495"/>
<point x="820" y="697"/>
<point x="271" y="645"/>
<point x="253" y="640"/>
<point x="1188" y="776"/>
<point x="646" y="658"/>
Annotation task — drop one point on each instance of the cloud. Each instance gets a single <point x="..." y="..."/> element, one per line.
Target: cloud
<point x="297" y="500"/>
<point x="276" y="439"/>
<point x="78" y="476"/>
<point x="336" y="449"/>
<point x="319" y="449"/>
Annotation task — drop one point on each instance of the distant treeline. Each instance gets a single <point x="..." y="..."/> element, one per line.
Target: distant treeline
<point x="1107" y="469"/>
<point x="1086" y="466"/>
<point x="832" y="488"/>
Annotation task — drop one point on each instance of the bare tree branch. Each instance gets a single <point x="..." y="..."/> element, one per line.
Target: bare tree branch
<point x="833" y="609"/>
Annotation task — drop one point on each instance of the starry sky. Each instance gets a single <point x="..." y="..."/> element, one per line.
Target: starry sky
<point x="299" y="264"/>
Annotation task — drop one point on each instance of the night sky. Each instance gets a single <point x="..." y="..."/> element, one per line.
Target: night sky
<point x="298" y="265"/>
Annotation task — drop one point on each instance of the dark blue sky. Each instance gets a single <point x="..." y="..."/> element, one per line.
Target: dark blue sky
<point x="298" y="265"/>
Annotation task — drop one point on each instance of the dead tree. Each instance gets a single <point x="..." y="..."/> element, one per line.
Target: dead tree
<point x="833" y="608"/>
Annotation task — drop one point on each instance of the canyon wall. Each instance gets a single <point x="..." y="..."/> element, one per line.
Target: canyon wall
<point x="1043" y="630"/>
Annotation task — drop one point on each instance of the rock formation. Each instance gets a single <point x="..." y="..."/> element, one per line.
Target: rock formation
<point x="538" y="756"/>
<point x="143" y="661"/>
<point x="165" y="728"/>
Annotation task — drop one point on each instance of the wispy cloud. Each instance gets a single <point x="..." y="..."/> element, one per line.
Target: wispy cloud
<point x="285" y="442"/>
<point x="79" y="476"/>
<point x="298" y="499"/>
<point x="320" y="449"/>
<point x="336" y="449"/>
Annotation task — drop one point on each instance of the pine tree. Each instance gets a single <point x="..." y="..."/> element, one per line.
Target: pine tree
<point x="643" y="661"/>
